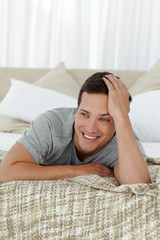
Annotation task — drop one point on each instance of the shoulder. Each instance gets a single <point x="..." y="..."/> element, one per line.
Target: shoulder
<point x="62" y="114"/>
<point x="59" y="121"/>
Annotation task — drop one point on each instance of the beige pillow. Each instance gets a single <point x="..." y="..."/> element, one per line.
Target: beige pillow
<point x="59" y="80"/>
<point x="148" y="81"/>
<point x="12" y="125"/>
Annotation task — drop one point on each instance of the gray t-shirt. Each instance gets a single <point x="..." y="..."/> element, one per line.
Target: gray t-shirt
<point x="50" y="141"/>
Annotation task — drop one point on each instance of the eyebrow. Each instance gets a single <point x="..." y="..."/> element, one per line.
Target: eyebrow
<point x="102" y="114"/>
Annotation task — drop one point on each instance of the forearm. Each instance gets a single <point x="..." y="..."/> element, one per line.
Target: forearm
<point x="132" y="167"/>
<point x="28" y="171"/>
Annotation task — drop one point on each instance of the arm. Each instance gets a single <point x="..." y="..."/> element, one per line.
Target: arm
<point x="131" y="167"/>
<point x="20" y="165"/>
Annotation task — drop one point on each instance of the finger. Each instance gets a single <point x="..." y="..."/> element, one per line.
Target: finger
<point x="109" y="174"/>
<point x="106" y="174"/>
<point x="107" y="170"/>
<point x="108" y="83"/>
<point x="120" y="83"/>
<point x="115" y="81"/>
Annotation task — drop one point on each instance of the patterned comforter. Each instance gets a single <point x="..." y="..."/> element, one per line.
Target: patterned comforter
<point x="81" y="208"/>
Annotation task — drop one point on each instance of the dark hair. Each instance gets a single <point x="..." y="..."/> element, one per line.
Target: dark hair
<point x="95" y="84"/>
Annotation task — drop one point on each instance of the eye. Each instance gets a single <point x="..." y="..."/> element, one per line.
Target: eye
<point x="105" y="120"/>
<point x="84" y="114"/>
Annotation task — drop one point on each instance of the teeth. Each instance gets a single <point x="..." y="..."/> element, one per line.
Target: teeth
<point x="89" y="137"/>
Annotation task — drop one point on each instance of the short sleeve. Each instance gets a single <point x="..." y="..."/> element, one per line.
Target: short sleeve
<point x="38" y="140"/>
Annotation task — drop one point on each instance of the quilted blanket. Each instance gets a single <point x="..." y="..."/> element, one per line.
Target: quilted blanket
<point x="81" y="208"/>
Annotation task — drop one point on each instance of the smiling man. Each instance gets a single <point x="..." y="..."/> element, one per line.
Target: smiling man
<point x="96" y="138"/>
<point x="94" y="127"/>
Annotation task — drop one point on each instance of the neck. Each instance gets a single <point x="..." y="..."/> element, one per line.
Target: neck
<point x="81" y="156"/>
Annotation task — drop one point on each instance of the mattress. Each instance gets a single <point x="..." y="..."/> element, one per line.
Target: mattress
<point x="7" y="140"/>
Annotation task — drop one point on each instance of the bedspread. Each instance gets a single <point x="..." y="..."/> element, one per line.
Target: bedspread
<point x="81" y="208"/>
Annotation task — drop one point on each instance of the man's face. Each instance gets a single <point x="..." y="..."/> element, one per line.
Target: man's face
<point x="94" y="127"/>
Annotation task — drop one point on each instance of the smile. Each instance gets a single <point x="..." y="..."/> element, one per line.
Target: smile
<point x="88" y="137"/>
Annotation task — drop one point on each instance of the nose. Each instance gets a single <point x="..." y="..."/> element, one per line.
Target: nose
<point x="91" y="126"/>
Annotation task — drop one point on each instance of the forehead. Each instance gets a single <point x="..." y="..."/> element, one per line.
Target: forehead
<point x="97" y="102"/>
<point x="86" y="97"/>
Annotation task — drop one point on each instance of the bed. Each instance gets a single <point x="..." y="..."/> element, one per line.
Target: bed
<point x="84" y="207"/>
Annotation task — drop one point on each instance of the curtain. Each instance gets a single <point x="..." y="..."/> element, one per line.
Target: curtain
<point x="97" y="34"/>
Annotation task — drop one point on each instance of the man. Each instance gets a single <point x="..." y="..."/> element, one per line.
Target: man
<point x="95" y="138"/>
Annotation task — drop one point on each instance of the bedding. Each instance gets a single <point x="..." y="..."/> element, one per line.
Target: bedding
<point x="147" y="81"/>
<point x="7" y="140"/>
<point x="25" y="101"/>
<point x="84" y="207"/>
<point x="12" y="125"/>
<point x="60" y="80"/>
<point x="152" y="149"/>
<point x="145" y="116"/>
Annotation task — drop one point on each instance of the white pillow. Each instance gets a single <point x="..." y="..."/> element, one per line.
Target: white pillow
<point x="145" y="116"/>
<point x="25" y="101"/>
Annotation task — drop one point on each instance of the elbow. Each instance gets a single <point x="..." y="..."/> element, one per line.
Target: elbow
<point x="5" y="174"/>
<point x="146" y="180"/>
<point x="1" y="174"/>
<point x="143" y="180"/>
<point x="131" y="178"/>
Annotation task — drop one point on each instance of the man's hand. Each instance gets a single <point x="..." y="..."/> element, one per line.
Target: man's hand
<point x="94" y="168"/>
<point x="118" y="97"/>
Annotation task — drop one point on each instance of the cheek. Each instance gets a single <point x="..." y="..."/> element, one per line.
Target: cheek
<point x="108" y="129"/>
<point x="78" y="123"/>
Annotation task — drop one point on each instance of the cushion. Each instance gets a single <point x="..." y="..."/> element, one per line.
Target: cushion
<point x="145" y="116"/>
<point x="59" y="80"/>
<point x="25" y="101"/>
<point x="148" y="81"/>
<point x="12" y="125"/>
